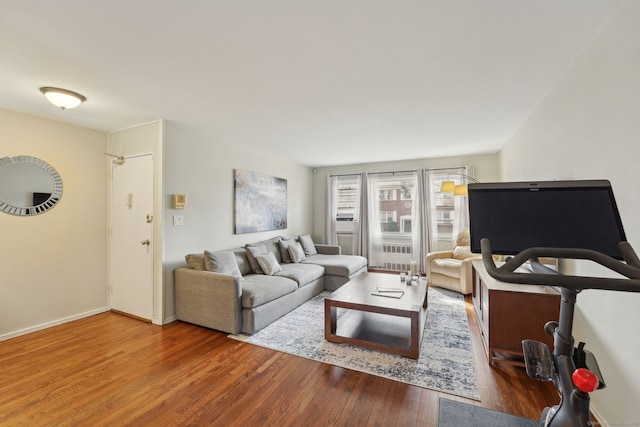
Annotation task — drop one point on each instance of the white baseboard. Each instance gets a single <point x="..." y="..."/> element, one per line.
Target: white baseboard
<point x="52" y="323"/>
<point x="597" y="415"/>
<point x="169" y="319"/>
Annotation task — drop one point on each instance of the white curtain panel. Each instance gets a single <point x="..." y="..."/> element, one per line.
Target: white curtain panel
<point x="331" y="210"/>
<point x="360" y="229"/>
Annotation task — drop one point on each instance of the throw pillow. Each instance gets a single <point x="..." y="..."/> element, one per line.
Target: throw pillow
<point x="284" y="248"/>
<point x="222" y="262"/>
<point x="296" y="252"/>
<point x="253" y="250"/>
<point x="308" y="245"/>
<point x="462" y="252"/>
<point x="195" y="261"/>
<point x="269" y="263"/>
<point x="463" y="239"/>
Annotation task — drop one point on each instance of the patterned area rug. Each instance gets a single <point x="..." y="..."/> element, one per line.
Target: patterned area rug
<point x="446" y="359"/>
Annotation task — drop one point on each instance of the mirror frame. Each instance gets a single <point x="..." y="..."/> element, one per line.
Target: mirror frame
<point x="56" y="179"/>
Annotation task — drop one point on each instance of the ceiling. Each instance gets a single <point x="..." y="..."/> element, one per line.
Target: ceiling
<point x="324" y="82"/>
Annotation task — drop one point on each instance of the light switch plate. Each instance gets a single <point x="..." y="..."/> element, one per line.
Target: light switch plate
<point x="178" y="220"/>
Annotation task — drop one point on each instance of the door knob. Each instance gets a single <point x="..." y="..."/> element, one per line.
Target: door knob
<point x="146" y="242"/>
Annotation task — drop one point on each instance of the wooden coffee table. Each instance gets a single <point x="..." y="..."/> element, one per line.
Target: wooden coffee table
<point x="378" y="322"/>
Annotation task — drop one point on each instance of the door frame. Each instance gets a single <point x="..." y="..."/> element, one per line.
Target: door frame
<point x="145" y="138"/>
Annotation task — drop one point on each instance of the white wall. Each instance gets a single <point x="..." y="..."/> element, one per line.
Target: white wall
<point x="485" y="166"/>
<point x="200" y="166"/>
<point x="53" y="265"/>
<point x="588" y="127"/>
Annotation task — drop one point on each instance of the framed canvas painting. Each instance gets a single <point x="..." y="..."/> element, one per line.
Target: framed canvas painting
<point x="260" y="202"/>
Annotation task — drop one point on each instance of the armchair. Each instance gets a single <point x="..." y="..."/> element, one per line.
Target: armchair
<point x="452" y="269"/>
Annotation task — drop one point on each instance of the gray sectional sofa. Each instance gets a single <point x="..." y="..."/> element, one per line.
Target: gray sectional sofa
<point x="246" y="288"/>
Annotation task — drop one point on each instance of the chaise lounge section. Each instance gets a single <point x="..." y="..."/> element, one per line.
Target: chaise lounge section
<point x="244" y="289"/>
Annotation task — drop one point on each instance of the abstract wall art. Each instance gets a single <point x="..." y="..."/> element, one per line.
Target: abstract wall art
<point x="260" y="202"/>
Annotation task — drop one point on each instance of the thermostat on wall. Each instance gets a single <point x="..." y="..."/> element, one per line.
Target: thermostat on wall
<point x="178" y="201"/>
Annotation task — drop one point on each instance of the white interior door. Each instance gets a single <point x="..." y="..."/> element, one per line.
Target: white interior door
<point x="131" y="244"/>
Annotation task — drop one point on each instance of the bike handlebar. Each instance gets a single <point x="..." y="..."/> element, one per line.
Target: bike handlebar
<point x="506" y="272"/>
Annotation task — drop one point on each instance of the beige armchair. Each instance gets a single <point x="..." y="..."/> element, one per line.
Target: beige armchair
<point x="452" y="269"/>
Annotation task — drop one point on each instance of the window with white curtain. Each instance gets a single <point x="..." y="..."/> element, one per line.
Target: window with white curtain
<point x="343" y="212"/>
<point x="348" y="198"/>
<point x="391" y="214"/>
<point x="395" y="218"/>
<point x="449" y="213"/>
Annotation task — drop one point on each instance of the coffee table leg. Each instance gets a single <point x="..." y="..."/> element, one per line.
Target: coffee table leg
<point x="414" y="345"/>
<point x="330" y="320"/>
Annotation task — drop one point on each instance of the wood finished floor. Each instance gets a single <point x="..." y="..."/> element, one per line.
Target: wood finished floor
<point x="109" y="370"/>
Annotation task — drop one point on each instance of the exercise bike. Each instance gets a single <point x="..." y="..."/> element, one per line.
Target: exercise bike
<point x="576" y="220"/>
<point x="574" y="371"/>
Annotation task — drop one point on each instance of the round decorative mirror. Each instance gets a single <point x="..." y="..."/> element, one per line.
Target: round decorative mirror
<point x="28" y="185"/>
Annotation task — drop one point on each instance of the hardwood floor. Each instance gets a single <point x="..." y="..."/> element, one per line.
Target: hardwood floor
<point x="110" y="369"/>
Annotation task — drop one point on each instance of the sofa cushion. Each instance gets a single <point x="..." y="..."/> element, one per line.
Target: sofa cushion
<point x="243" y="260"/>
<point x="303" y="274"/>
<point x="222" y="262"/>
<point x="307" y="244"/>
<point x="446" y="266"/>
<point x="284" y="248"/>
<point x="253" y="250"/>
<point x="195" y="261"/>
<point x="258" y="289"/>
<point x="338" y="265"/>
<point x="268" y="263"/>
<point x="296" y="252"/>
<point x="464" y="238"/>
<point x="273" y="246"/>
<point x="462" y="252"/>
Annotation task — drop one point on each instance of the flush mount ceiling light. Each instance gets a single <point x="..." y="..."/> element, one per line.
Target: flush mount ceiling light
<point x="65" y="99"/>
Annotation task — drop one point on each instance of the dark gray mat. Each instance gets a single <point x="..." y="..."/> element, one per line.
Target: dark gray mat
<point x="457" y="414"/>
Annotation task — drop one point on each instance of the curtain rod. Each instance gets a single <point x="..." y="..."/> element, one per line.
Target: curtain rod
<point x="395" y="172"/>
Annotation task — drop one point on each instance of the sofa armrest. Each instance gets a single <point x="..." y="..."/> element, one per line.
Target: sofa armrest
<point x="208" y="299"/>
<point x="329" y="249"/>
<point x="440" y="254"/>
<point x="435" y="255"/>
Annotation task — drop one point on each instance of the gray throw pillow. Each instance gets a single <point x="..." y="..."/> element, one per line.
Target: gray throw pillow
<point x="222" y="262"/>
<point x="253" y="250"/>
<point x="296" y="252"/>
<point x="284" y="248"/>
<point x="308" y="245"/>
<point x="269" y="263"/>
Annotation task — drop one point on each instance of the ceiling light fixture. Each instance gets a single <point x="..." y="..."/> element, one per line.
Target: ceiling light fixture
<point x="62" y="98"/>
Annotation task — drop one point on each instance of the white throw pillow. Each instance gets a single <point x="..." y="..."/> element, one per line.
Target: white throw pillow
<point x="462" y="252"/>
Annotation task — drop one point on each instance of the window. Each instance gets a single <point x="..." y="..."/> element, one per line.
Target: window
<point x="388" y="194"/>
<point x="348" y="198"/>
<point x="391" y="239"/>
<point x="399" y="226"/>
<point x="448" y="210"/>
<point x="405" y="224"/>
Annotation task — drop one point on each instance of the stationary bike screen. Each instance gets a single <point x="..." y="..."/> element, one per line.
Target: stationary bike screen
<point x="558" y="214"/>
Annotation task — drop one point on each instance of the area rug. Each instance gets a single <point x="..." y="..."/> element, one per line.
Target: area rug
<point x="458" y="414"/>
<point x="446" y="360"/>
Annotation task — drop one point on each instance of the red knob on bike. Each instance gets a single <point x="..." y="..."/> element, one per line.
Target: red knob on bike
<point x="585" y="380"/>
